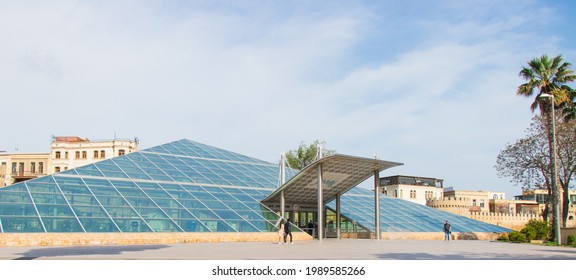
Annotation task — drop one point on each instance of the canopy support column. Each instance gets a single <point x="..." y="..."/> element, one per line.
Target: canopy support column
<point x="377" y="203"/>
<point x="338" y="215"/>
<point x="320" y="205"/>
<point x="282" y="205"/>
<point x="282" y="181"/>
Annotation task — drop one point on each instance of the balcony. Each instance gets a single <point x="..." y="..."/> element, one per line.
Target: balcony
<point x="26" y="175"/>
<point x="475" y="209"/>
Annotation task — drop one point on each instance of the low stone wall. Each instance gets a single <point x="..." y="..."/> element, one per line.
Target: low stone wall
<point x="438" y="236"/>
<point x="565" y="232"/>
<point x="108" y="239"/>
<point x="92" y="239"/>
<point x="511" y="221"/>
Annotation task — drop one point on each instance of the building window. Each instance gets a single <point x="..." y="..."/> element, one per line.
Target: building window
<point x="103" y="154"/>
<point x="496" y="196"/>
<point x="77" y="155"/>
<point x="41" y="167"/>
<point x="57" y="154"/>
<point x="473" y="202"/>
<point x="57" y="169"/>
<point x="413" y="194"/>
<point x="33" y="167"/>
<point x="84" y="154"/>
<point x="21" y="168"/>
<point x="121" y="152"/>
<point x="95" y="154"/>
<point x="13" y="168"/>
<point x="395" y="193"/>
<point x="66" y="155"/>
<point x="481" y="203"/>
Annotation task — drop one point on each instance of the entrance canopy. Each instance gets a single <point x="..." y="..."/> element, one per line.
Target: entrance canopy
<point x="339" y="174"/>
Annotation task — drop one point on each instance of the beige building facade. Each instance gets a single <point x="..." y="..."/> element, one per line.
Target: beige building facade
<point x="411" y="188"/>
<point x="16" y="168"/>
<point x="479" y="200"/>
<point x="488" y="207"/>
<point x="67" y="152"/>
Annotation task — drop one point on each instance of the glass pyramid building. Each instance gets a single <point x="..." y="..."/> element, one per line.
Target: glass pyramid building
<point x="184" y="186"/>
<point x="397" y="215"/>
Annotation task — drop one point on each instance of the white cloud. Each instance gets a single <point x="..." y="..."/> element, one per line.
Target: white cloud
<point x="259" y="78"/>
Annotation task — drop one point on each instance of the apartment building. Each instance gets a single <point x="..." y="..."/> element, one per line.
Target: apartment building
<point x="71" y="151"/>
<point x="411" y="188"/>
<point x="66" y="152"/>
<point x="16" y="168"/>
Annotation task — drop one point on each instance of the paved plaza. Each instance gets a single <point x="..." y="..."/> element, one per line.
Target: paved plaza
<point x="330" y="249"/>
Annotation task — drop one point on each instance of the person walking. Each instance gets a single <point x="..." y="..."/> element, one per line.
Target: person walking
<point x="281" y="232"/>
<point x="447" y="230"/>
<point x="287" y="232"/>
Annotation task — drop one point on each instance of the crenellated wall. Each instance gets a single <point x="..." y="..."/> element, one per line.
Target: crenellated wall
<point x="455" y="205"/>
<point x="511" y="221"/>
<point x="461" y="206"/>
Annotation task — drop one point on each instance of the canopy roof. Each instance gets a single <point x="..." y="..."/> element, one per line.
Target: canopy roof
<point x="340" y="173"/>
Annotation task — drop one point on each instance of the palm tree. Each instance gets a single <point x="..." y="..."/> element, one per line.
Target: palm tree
<point x="545" y="75"/>
<point x="549" y="76"/>
<point x="569" y="112"/>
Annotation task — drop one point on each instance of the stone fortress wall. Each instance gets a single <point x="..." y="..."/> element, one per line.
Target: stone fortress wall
<point x="461" y="205"/>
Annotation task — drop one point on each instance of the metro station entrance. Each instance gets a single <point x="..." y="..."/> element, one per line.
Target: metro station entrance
<point x="307" y="220"/>
<point x="304" y="197"/>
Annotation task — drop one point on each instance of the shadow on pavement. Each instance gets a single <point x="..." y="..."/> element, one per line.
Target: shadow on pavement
<point x="424" y="256"/>
<point x="85" y="250"/>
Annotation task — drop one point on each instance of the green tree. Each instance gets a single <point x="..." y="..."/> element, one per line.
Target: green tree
<point x="527" y="162"/>
<point x="306" y="154"/>
<point x="551" y="76"/>
<point x="540" y="229"/>
<point x="547" y="76"/>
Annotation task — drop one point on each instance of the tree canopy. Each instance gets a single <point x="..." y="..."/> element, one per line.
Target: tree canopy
<point x="306" y="154"/>
<point x="527" y="162"/>
<point x="546" y="75"/>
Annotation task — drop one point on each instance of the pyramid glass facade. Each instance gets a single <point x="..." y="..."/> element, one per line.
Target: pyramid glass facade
<point x="184" y="186"/>
<point x="398" y="215"/>
<point x="181" y="186"/>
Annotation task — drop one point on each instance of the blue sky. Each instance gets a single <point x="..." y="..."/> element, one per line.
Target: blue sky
<point x="430" y="84"/>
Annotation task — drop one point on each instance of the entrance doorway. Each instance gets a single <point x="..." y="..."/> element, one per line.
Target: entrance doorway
<point x="306" y="219"/>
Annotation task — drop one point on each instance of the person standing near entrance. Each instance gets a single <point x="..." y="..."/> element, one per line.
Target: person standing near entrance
<point x="287" y="232"/>
<point x="447" y="230"/>
<point x="311" y="228"/>
<point x="281" y="232"/>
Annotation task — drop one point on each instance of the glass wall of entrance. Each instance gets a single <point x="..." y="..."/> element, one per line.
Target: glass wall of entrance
<point x="307" y="221"/>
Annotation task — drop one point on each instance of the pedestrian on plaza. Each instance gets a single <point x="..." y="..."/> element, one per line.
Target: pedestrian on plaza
<point x="281" y="232"/>
<point x="447" y="230"/>
<point x="311" y="227"/>
<point x="287" y="232"/>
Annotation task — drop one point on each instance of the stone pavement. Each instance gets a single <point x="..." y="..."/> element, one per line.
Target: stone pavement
<point x="329" y="249"/>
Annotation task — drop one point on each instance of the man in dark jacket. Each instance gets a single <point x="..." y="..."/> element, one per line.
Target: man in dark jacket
<point x="447" y="230"/>
<point x="287" y="231"/>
